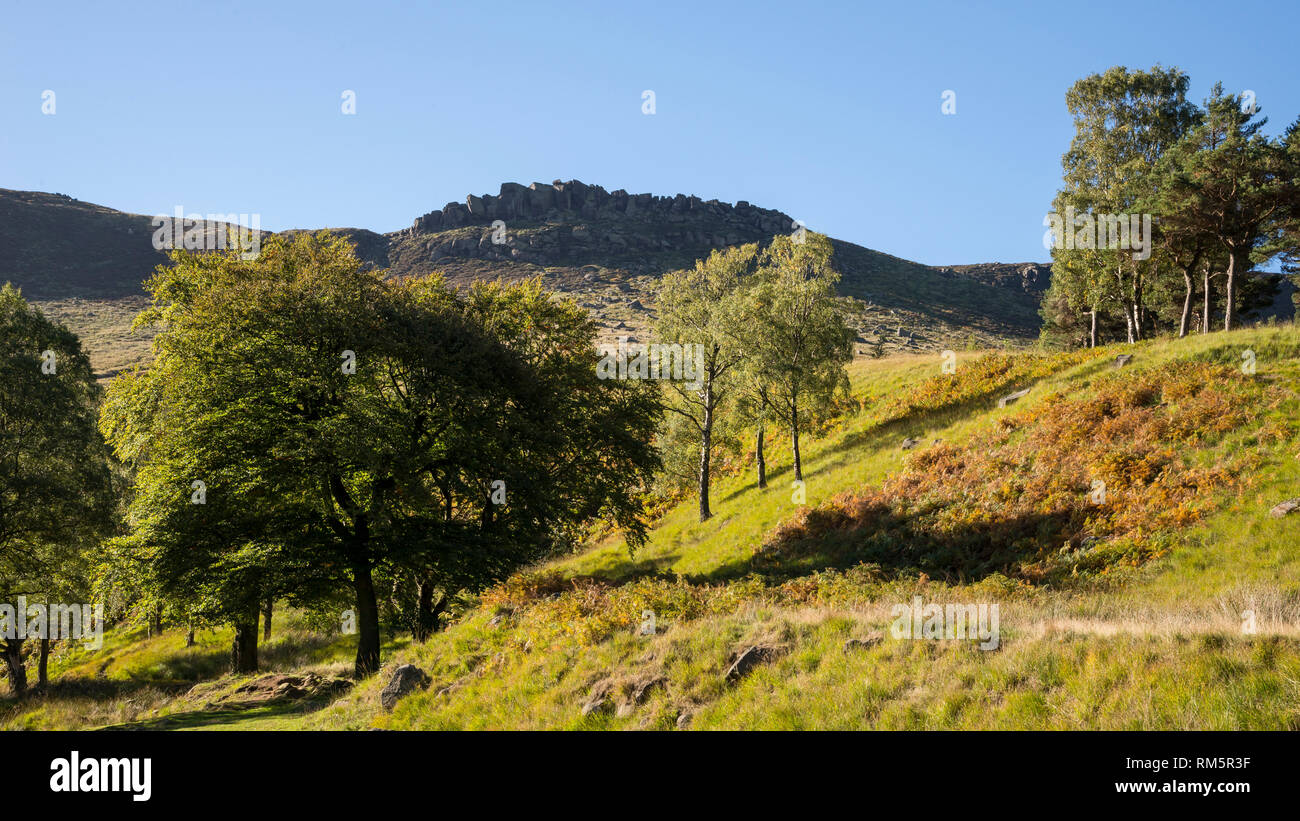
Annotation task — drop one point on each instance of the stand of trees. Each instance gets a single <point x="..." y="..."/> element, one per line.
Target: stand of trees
<point x="775" y="346"/>
<point x="1221" y="196"/>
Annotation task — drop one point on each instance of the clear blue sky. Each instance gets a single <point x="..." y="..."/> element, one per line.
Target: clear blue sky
<point x="829" y="112"/>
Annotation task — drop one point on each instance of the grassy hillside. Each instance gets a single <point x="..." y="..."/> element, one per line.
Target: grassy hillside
<point x="1119" y="614"/>
<point x="85" y="265"/>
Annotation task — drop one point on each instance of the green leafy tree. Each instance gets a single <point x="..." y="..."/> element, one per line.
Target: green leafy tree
<point x="56" y="491"/>
<point x="1124" y="120"/>
<point x="1284" y="231"/>
<point x="699" y="307"/>
<point x="793" y="328"/>
<point x="1227" y="184"/>
<point x="346" y="427"/>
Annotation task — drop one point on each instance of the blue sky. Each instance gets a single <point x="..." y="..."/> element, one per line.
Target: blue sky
<point x="830" y="112"/>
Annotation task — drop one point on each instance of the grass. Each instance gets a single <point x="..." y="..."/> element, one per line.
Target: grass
<point x="104" y="327"/>
<point x="1156" y="643"/>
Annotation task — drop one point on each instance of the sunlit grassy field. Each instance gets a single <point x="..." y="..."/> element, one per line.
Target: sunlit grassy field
<point x="1143" y="627"/>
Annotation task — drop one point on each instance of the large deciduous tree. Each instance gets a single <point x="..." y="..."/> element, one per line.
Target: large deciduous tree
<point x="344" y="425"/>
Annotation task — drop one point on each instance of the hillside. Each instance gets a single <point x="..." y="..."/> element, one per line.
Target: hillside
<point x="84" y="264"/>
<point x="1123" y="613"/>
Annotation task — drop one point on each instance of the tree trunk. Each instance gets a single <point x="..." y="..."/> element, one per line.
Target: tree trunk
<point x="13" y="652"/>
<point x="267" y="609"/>
<point x="367" y="620"/>
<point x="243" y="653"/>
<point x="155" y="621"/>
<point x="758" y="457"/>
<point x="1187" y="304"/>
<point x="43" y="665"/>
<point x="706" y="452"/>
<point x="1139" y="311"/>
<point x="1230" y="305"/>
<point x="1092" y="331"/>
<point x="189" y="637"/>
<point x="427" y="613"/>
<point x="794" y="441"/>
<point x="1205" y="317"/>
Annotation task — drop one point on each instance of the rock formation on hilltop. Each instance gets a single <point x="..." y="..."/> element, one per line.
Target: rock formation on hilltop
<point x="568" y="223"/>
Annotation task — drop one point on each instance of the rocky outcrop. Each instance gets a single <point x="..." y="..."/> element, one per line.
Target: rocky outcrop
<point x="1030" y="277"/>
<point x="563" y="220"/>
<point x="549" y="201"/>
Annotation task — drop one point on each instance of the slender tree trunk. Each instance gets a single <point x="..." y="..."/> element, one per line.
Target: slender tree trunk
<point x="1230" y="305"/>
<point x="1139" y="311"/>
<point x="1209" y="291"/>
<point x="13" y="652"/>
<point x="267" y="609"/>
<point x="1187" y="304"/>
<point x="43" y="665"/>
<point x="758" y="457"/>
<point x="367" y="620"/>
<point x="1123" y="301"/>
<point x="794" y="440"/>
<point x="243" y="652"/>
<point x="706" y="453"/>
<point x="155" y="621"/>
<point x="189" y="637"/>
<point x="1092" y="331"/>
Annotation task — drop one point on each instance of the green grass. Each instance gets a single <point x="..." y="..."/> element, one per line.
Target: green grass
<point x="1157" y="646"/>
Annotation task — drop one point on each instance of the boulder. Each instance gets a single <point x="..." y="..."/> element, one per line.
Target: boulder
<point x="405" y="680"/>
<point x="1123" y="359"/>
<point x="910" y="443"/>
<point x="1284" y="508"/>
<point x="748" y="659"/>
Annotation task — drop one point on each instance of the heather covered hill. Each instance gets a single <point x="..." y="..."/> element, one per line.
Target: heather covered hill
<point x="85" y="263"/>
<point x="54" y="246"/>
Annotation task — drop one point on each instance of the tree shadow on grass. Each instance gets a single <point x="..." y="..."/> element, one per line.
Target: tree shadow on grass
<point x="223" y="716"/>
<point x="906" y="544"/>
